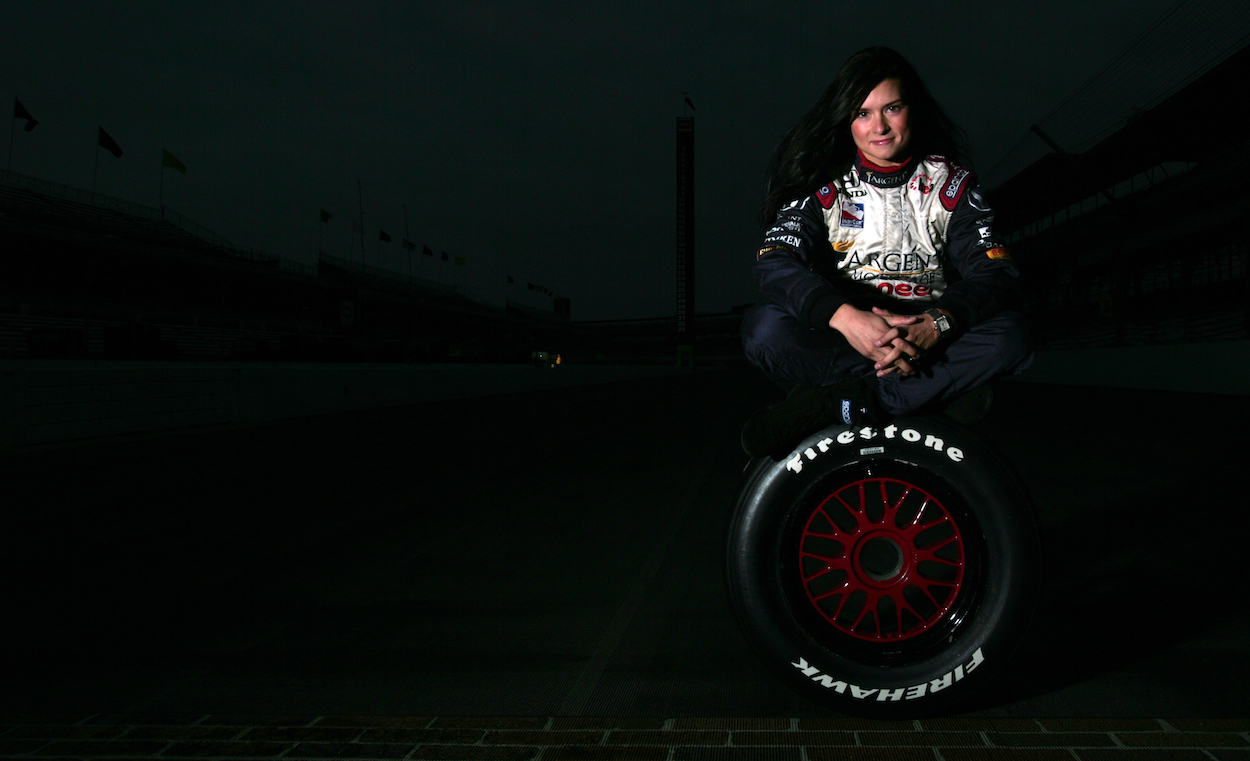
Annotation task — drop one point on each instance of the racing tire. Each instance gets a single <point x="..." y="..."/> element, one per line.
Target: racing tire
<point x="886" y="572"/>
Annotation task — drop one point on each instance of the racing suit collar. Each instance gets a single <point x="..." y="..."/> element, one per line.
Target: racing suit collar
<point x="884" y="177"/>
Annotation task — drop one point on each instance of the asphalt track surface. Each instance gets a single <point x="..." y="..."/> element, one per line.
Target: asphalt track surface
<point x="559" y="554"/>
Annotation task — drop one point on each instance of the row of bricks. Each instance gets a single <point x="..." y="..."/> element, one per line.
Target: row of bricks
<point x="399" y="743"/>
<point x="461" y="736"/>
<point x="645" y="753"/>
<point x="76" y="726"/>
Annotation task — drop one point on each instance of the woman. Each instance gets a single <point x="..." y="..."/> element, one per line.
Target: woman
<point x="884" y="289"/>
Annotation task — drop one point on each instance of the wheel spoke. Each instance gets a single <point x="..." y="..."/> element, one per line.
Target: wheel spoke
<point x="831" y="565"/>
<point x="839" y="589"/>
<point x="863" y="613"/>
<point x="916" y="528"/>
<point x="903" y="605"/>
<point x="931" y="553"/>
<point x="892" y="509"/>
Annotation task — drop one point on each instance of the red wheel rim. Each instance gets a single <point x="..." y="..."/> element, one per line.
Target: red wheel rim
<point x="882" y="560"/>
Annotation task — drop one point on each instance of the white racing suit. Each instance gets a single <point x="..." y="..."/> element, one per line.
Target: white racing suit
<point x="908" y="239"/>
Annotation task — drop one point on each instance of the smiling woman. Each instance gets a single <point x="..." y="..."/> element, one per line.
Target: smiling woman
<point x="880" y="127"/>
<point x="884" y="289"/>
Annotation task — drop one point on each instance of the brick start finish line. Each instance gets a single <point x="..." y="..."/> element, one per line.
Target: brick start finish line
<point x="644" y="739"/>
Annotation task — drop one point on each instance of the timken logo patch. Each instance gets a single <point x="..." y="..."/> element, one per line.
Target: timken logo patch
<point x="998" y="253"/>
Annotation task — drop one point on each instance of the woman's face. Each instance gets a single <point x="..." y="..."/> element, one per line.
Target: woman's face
<point x="880" y="125"/>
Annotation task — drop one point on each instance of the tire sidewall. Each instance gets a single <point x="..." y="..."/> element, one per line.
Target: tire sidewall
<point x="1004" y="593"/>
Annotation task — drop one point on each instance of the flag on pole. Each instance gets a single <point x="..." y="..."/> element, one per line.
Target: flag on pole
<point x="445" y="256"/>
<point x="510" y="280"/>
<point x="20" y="112"/>
<point x="108" y="143"/>
<point x="427" y="250"/>
<point x="382" y="236"/>
<point x="170" y="160"/>
<point x="688" y="101"/>
<point x="325" y="216"/>
<point x="410" y="245"/>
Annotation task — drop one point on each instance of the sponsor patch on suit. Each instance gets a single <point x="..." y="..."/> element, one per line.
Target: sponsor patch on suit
<point x="852" y="214"/>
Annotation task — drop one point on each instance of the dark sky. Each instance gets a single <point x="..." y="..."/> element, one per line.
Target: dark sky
<point x="534" y="139"/>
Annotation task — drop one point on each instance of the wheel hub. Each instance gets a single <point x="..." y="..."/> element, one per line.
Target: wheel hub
<point x="878" y="560"/>
<point x="881" y="559"/>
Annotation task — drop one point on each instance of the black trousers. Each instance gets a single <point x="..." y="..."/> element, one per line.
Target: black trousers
<point x="791" y="353"/>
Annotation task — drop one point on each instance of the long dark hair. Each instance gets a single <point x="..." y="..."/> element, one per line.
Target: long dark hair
<point x="820" y="147"/>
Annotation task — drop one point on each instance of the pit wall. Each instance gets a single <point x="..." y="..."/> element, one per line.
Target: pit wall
<point x="1215" y="367"/>
<point x="54" y="401"/>
<point x="57" y="401"/>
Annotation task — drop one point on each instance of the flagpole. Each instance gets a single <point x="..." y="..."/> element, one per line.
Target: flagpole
<point x="161" y="193"/>
<point x="361" y="206"/>
<point x="463" y="238"/>
<point x="95" y="172"/>
<point x="407" y="242"/>
<point x="12" y="132"/>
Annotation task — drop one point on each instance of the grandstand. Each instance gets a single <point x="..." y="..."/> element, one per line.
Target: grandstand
<point x="88" y="276"/>
<point x="84" y="275"/>
<point x="1136" y="240"/>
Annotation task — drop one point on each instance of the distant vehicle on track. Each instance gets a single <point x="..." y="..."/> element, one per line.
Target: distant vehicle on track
<point x="544" y="358"/>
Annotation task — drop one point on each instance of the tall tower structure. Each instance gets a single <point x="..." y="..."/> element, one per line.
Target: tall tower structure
<point x="685" y="226"/>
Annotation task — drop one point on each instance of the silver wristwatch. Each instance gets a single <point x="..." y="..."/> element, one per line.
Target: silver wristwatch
<point x="940" y="321"/>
